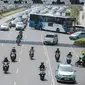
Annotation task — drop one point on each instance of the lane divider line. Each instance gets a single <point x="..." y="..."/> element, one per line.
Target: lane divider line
<point x="19" y="59"/>
<point x="2" y="44"/>
<point x="14" y="83"/>
<point x="21" y="52"/>
<point x="49" y="72"/>
<point x="17" y="70"/>
<point x="46" y="53"/>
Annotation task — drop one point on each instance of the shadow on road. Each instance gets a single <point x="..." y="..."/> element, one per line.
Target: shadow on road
<point x="38" y="43"/>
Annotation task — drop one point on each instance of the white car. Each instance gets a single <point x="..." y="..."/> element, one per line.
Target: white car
<point x="65" y="73"/>
<point x="20" y="26"/>
<point x="51" y="39"/>
<point x="4" y="27"/>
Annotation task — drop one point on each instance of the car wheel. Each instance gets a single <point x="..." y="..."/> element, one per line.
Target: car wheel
<point x="58" y="30"/>
<point x="44" y="43"/>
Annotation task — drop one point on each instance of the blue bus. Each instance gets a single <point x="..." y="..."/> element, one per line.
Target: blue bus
<point x="51" y="23"/>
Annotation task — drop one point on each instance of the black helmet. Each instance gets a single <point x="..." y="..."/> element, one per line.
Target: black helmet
<point x="32" y="47"/>
<point x="42" y="62"/>
<point x="13" y="47"/>
<point x="57" y="49"/>
<point x="69" y="52"/>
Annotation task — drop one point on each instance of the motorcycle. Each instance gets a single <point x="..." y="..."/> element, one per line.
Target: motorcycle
<point x="57" y="57"/>
<point x="18" y="41"/>
<point x="5" y="67"/>
<point x="68" y="60"/>
<point x="42" y="69"/>
<point x="13" y="56"/>
<point x="31" y="54"/>
<point x="42" y="76"/>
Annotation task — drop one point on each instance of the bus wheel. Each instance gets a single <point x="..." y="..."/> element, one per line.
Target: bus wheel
<point x="57" y="30"/>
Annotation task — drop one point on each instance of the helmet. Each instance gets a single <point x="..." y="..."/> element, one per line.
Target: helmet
<point x="69" y="52"/>
<point x="13" y="47"/>
<point x="83" y="53"/>
<point x="42" y="62"/>
<point x="57" y="49"/>
<point x="32" y="47"/>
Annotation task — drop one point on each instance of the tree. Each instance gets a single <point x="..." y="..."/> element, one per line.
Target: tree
<point x="75" y="11"/>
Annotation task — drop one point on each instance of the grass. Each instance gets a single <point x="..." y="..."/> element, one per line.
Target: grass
<point x="12" y="12"/>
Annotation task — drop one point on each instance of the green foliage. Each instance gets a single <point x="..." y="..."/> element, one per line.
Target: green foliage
<point x="80" y="42"/>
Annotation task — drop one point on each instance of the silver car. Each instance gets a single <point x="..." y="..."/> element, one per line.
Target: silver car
<point x="20" y="26"/>
<point x="65" y="73"/>
<point x="4" y="27"/>
<point x="51" y="39"/>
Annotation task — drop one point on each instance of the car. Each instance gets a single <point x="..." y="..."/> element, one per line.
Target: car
<point x="51" y="39"/>
<point x="65" y="73"/>
<point x="4" y="27"/>
<point x="77" y="35"/>
<point x="20" y="26"/>
<point x="24" y="17"/>
<point x="78" y="28"/>
<point x="13" y="22"/>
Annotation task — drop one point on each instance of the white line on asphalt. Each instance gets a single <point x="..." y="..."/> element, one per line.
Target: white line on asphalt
<point x="14" y="83"/>
<point x="17" y="70"/>
<point x="49" y="72"/>
<point x="22" y="46"/>
<point x="19" y="59"/>
<point x="47" y="61"/>
<point x="21" y="52"/>
<point x="46" y="54"/>
<point x="2" y="44"/>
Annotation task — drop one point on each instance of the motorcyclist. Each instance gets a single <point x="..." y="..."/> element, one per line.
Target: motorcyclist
<point x="42" y="75"/>
<point x="13" y="50"/>
<point x="42" y="66"/>
<point x="57" y="54"/>
<point x="5" y="60"/>
<point x="57" y="51"/>
<point x="69" y="56"/>
<point x="83" y="60"/>
<point x="21" y="34"/>
<point x="32" y="50"/>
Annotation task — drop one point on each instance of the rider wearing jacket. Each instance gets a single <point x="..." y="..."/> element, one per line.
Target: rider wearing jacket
<point x="57" y="51"/>
<point x="13" y="50"/>
<point x="5" y="59"/>
<point x="83" y="59"/>
<point x="42" y="65"/>
<point x="69" y="55"/>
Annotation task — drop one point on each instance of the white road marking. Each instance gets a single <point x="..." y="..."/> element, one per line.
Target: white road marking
<point x="22" y="46"/>
<point x="2" y="44"/>
<point x="14" y="83"/>
<point x="21" y="52"/>
<point x="49" y="72"/>
<point x="47" y="61"/>
<point x="19" y="59"/>
<point x="17" y="70"/>
<point x="46" y="54"/>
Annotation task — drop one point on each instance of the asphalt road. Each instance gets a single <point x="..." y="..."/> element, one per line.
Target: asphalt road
<point x="25" y="71"/>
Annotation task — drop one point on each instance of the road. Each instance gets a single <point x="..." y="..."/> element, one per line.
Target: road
<point x="25" y="71"/>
